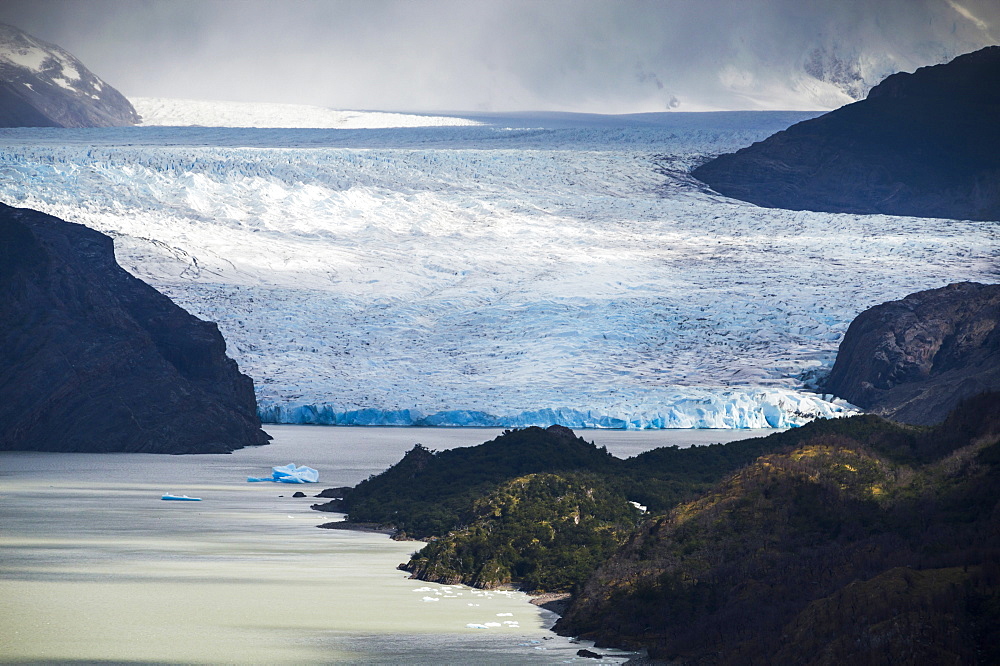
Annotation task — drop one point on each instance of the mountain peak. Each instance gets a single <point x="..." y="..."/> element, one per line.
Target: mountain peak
<point x="42" y="85"/>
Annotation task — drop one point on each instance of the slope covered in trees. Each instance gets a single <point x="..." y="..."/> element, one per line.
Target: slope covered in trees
<point x="762" y="550"/>
<point x="844" y="547"/>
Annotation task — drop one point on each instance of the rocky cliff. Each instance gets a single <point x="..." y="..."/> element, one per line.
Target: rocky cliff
<point x="93" y="359"/>
<point x="925" y="144"/>
<point x="914" y="359"/>
<point x="41" y="85"/>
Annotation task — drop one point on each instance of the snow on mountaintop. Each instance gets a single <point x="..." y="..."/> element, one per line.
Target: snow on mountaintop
<point x="484" y="275"/>
<point x="20" y="49"/>
<point x="202" y="113"/>
<point x="43" y="85"/>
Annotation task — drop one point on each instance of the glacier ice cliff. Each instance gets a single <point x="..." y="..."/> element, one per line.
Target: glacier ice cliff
<point x="691" y="409"/>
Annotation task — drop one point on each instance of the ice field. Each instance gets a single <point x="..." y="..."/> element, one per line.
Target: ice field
<point x="523" y="270"/>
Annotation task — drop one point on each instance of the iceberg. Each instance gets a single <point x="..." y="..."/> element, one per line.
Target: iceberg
<point x="288" y="474"/>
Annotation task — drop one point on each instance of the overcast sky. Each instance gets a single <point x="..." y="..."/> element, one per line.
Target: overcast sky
<point x="611" y="56"/>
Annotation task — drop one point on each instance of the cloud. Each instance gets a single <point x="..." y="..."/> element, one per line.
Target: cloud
<point x="584" y="55"/>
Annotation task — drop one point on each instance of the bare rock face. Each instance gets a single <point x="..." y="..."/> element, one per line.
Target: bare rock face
<point x="93" y="359"/>
<point x="41" y="85"/>
<point x="925" y="144"/>
<point x="914" y="359"/>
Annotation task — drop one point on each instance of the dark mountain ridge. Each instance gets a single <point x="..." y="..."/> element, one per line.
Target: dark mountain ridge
<point x="925" y="144"/>
<point x="93" y="359"/>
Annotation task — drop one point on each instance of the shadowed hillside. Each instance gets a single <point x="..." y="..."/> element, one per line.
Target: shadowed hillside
<point x="925" y="144"/>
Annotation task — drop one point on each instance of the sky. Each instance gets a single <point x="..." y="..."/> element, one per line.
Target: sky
<point x="605" y="56"/>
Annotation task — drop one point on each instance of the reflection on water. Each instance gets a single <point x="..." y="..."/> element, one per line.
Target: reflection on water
<point x="94" y="566"/>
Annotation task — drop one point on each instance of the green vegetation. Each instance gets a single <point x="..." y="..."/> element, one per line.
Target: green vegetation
<point x="428" y="494"/>
<point x="440" y="496"/>
<point x="842" y="540"/>
<point x="544" y="531"/>
<point x="881" y="546"/>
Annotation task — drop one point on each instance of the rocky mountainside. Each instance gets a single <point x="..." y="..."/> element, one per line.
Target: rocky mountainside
<point x="924" y="144"/>
<point x="93" y="359"/>
<point x="41" y="85"/>
<point x="914" y="359"/>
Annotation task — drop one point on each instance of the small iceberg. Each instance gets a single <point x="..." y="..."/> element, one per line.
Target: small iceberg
<point x="289" y="474"/>
<point x="180" y="498"/>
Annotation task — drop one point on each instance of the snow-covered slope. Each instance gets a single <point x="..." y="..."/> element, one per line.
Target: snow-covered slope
<point x="202" y="113"/>
<point x="43" y="85"/>
<point x="493" y="275"/>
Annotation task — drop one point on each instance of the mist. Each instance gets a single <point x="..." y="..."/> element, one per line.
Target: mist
<point x="468" y="55"/>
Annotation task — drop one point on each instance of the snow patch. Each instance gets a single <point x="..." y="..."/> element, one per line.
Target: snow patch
<point x="31" y="58"/>
<point x="63" y="83"/>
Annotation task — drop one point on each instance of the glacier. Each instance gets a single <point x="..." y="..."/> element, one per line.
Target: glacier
<point x="516" y="270"/>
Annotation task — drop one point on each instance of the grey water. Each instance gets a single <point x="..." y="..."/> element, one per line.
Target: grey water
<point x="95" y="567"/>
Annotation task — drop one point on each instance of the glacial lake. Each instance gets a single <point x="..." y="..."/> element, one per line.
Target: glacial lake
<point x="95" y="567"/>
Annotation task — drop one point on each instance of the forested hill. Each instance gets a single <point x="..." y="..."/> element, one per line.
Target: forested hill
<point x="876" y="546"/>
<point x="755" y="550"/>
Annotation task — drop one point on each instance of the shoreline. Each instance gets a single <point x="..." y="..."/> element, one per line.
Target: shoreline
<point x="557" y="602"/>
<point x="370" y="528"/>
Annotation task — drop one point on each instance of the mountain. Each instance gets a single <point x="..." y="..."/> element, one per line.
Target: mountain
<point x="925" y="144"/>
<point x="41" y="85"/>
<point x="95" y="360"/>
<point x="914" y="359"/>
<point x="873" y="545"/>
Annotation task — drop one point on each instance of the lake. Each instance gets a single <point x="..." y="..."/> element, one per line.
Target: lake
<point x="94" y="566"/>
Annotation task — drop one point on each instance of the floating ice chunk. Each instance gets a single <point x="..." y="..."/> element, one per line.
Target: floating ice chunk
<point x="424" y="589"/>
<point x="289" y="474"/>
<point x="473" y="625"/>
<point x="505" y="615"/>
<point x="431" y="599"/>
